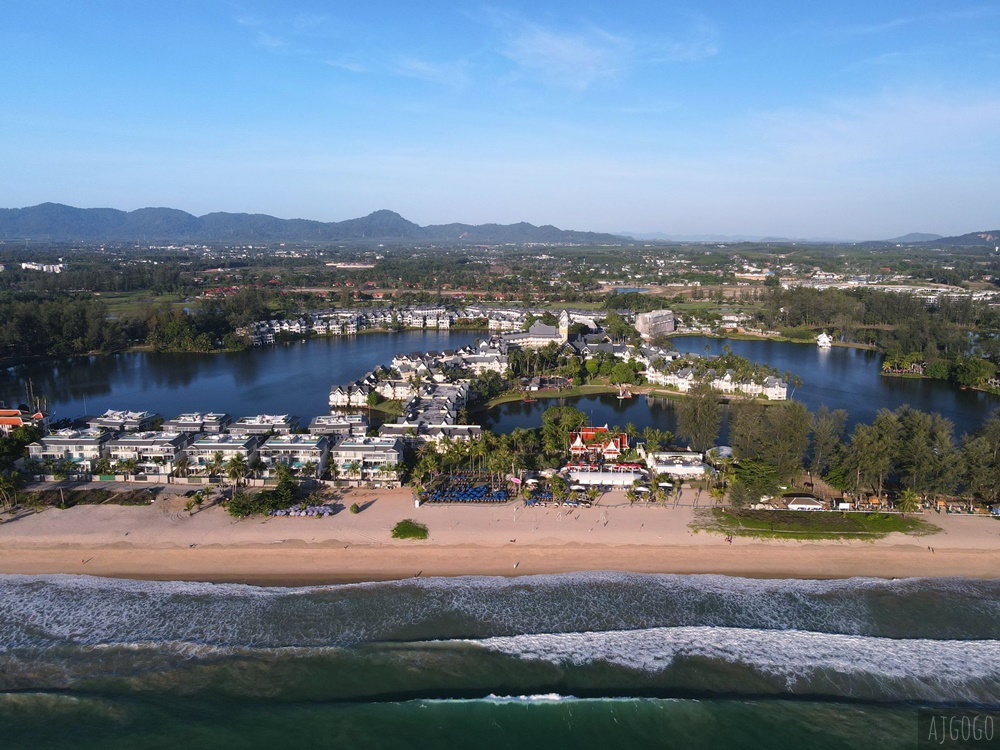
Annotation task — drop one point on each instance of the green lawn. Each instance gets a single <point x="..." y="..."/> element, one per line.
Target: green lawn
<point x="579" y="390"/>
<point x="129" y="303"/>
<point x="787" y="524"/>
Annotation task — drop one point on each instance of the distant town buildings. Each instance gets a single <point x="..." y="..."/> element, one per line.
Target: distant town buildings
<point x="44" y="267"/>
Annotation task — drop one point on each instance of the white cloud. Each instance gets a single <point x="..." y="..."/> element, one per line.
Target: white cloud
<point x="453" y="74"/>
<point x="698" y="42"/>
<point x="572" y="60"/>
<point x="958" y="14"/>
<point x="270" y="42"/>
<point x="350" y="67"/>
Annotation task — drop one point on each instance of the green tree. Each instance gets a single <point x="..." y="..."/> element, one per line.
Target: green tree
<point x="699" y="417"/>
<point x="9" y="484"/>
<point x="828" y="438"/>
<point x="622" y="374"/>
<point x="215" y="466"/>
<point x="908" y="501"/>
<point x="236" y="468"/>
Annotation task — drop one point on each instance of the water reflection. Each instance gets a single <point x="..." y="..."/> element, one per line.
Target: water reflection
<point x="841" y="378"/>
<point x="293" y="378"/>
<point x="296" y="378"/>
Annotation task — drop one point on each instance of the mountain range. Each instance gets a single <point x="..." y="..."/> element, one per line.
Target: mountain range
<point x="60" y="223"/>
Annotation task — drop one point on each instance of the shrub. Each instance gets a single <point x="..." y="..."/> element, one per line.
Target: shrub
<point x="355" y="508"/>
<point x="409" y="529"/>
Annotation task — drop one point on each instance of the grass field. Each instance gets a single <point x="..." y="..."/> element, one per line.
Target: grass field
<point x="129" y="303"/>
<point x="788" y="524"/>
<point x="579" y="390"/>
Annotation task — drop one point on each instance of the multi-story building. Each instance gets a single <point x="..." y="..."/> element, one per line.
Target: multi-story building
<point x="210" y="423"/>
<point x="296" y="452"/>
<point x="264" y="424"/>
<point x="339" y="425"/>
<point x="655" y="323"/>
<point x="154" y="452"/>
<point x="368" y="459"/>
<point x="115" y="420"/>
<point x="82" y="448"/>
<point x="202" y="452"/>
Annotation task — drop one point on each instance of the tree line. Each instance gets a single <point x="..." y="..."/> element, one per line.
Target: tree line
<point x="33" y="325"/>
<point x="954" y="337"/>
<point x="906" y="450"/>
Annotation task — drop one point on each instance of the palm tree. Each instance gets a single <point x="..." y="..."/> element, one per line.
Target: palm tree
<point x="354" y="468"/>
<point x="309" y="469"/>
<point x="236" y="468"/>
<point x="128" y="467"/>
<point x="214" y="466"/>
<point x="181" y="466"/>
<point x="8" y="489"/>
<point x="908" y="501"/>
<point x="557" y="485"/>
<point x="650" y="437"/>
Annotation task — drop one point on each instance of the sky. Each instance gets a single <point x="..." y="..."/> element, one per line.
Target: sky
<point x="853" y="120"/>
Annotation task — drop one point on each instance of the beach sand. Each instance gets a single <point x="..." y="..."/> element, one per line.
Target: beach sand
<point x="165" y="542"/>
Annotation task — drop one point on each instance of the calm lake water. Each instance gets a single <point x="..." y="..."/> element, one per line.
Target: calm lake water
<point x="848" y="379"/>
<point x="283" y="379"/>
<point x="296" y="379"/>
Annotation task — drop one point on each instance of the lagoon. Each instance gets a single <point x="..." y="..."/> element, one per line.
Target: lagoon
<point x="295" y="379"/>
<point x="292" y="378"/>
<point x="840" y="378"/>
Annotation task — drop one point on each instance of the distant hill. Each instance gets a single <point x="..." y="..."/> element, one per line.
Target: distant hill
<point x="915" y="237"/>
<point x="989" y="238"/>
<point x="56" y="222"/>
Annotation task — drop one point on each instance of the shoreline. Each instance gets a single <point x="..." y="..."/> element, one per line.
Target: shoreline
<point x="164" y="542"/>
<point x="315" y="566"/>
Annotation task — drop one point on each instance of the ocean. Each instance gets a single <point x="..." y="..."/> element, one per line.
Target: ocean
<point x="583" y="660"/>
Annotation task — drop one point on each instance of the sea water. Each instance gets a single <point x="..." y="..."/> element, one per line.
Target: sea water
<point x="580" y="660"/>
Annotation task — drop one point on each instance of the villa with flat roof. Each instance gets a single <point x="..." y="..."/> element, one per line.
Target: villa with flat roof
<point x="368" y="459"/>
<point x="84" y="448"/>
<point x="198" y="422"/>
<point x="155" y="452"/>
<point x="296" y="452"/>
<point x="201" y="452"/>
<point x="125" y="421"/>
<point x="264" y="424"/>
<point x="339" y="425"/>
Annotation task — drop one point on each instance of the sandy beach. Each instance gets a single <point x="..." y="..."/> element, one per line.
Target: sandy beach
<point x="165" y="542"/>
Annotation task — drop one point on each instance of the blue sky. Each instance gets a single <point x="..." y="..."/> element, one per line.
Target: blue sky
<point x="849" y="119"/>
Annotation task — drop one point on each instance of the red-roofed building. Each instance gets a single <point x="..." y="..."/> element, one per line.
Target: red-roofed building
<point x="597" y="440"/>
<point x="11" y="419"/>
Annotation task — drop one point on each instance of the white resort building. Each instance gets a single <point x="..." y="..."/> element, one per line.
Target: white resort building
<point x="125" y="421"/>
<point x="198" y="422"/>
<point x="368" y="459"/>
<point x="202" y="452"/>
<point x="154" y="452"/>
<point x="264" y="424"/>
<point x="295" y="452"/>
<point x="84" y="448"/>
